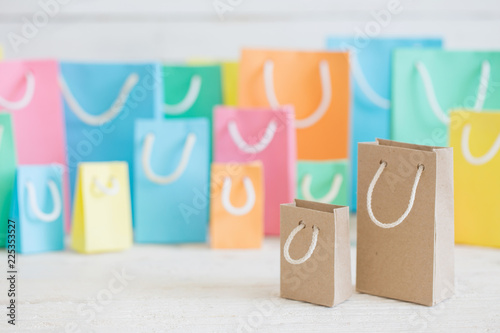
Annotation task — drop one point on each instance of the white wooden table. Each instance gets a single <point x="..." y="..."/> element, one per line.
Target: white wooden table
<point x="192" y="288"/>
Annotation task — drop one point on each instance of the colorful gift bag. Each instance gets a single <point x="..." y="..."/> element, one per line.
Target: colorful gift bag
<point x="475" y="138"/>
<point x="30" y="92"/>
<point x="229" y="77"/>
<point x="237" y="205"/>
<point x="315" y="83"/>
<point x="405" y="222"/>
<point x="244" y="135"/>
<point x="323" y="181"/>
<point x="315" y="253"/>
<point x="102" y="212"/>
<point x="428" y="83"/>
<point x="37" y="208"/>
<point x="171" y="178"/>
<point x="102" y="102"/>
<point x="370" y="64"/>
<point x="7" y="172"/>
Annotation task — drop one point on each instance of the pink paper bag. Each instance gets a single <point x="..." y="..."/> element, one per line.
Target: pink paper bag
<point x="29" y="90"/>
<point x="244" y="135"/>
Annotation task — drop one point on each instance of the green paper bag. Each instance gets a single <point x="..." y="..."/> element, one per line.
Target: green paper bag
<point x="427" y="84"/>
<point x="323" y="181"/>
<point x="7" y="172"/>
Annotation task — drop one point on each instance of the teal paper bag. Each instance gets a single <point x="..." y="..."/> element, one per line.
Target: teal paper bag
<point x="323" y="181"/>
<point x="427" y="84"/>
<point x="37" y="208"/>
<point x="7" y="172"/>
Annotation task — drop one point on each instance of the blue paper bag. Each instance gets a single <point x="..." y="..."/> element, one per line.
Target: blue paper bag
<point x="101" y="104"/>
<point x="370" y="63"/>
<point x="37" y="208"/>
<point x="171" y="175"/>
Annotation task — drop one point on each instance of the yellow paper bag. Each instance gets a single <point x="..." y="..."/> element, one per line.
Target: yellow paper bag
<point x="475" y="137"/>
<point x="237" y="206"/>
<point x="102" y="217"/>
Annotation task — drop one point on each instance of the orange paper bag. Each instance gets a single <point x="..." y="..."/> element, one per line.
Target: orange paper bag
<point x="237" y="206"/>
<point x="315" y="83"/>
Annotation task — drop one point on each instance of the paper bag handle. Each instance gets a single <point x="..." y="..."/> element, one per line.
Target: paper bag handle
<point x="33" y="202"/>
<point x="27" y="97"/>
<point x="226" y="201"/>
<point x="255" y="148"/>
<point x="431" y="96"/>
<point x="383" y="164"/>
<point x="314" y="241"/>
<point x="109" y="191"/>
<point x="181" y="167"/>
<point x="365" y="87"/>
<point x="326" y="89"/>
<point x="107" y="115"/>
<point x="188" y="100"/>
<point x="327" y="198"/>
<point x="481" y="159"/>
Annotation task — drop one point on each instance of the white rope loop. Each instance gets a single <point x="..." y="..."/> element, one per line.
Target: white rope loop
<point x="106" y="116"/>
<point x="327" y="198"/>
<point x="365" y="87"/>
<point x="431" y="96"/>
<point x="181" y="167"/>
<point x="56" y="199"/>
<point x="238" y="140"/>
<point x="383" y="164"/>
<point x="314" y="241"/>
<point x="27" y="97"/>
<point x="226" y="201"/>
<point x="188" y="100"/>
<point x="481" y="159"/>
<point x="326" y="89"/>
<point x="109" y="191"/>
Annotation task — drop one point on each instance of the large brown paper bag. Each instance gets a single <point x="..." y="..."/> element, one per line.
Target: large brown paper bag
<point x="405" y="222"/>
<point x="315" y="253"/>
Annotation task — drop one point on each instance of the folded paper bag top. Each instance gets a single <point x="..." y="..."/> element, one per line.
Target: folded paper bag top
<point x="315" y="253"/>
<point x="405" y="236"/>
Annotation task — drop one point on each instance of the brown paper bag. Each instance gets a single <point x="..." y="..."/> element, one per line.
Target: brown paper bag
<point x="405" y="222"/>
<point x="315" y="253"/>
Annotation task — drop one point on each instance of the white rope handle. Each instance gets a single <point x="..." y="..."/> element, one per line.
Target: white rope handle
<point x="383" y="164"/>
<point x="255" y="148"/>
<point x="314" y="241"/>
<point x="107" y="115"/>
<point x="188" y="100"/>
<point x="481" y="159"/>
<point x="326" y="89"/>
<point x="181" y="167"/>
<point x="365" y="87"/>
<point x="56" y="198"/>
<point x="327" y="198"/>
<point x="226" y="201"/>
<point x="431" y="96"/>
<point x="27" y="97"/>
<point x="109" y="191"/>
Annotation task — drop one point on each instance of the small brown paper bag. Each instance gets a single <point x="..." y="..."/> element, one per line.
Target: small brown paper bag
<point x="315" y="253"/>
<point x="405" y="222"/>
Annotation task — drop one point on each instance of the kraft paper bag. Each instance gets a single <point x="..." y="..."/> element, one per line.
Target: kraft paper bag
<point x="315" y="83"/>
<point x="237" y="205"/>
<point x="370" y="64"/>
<point x="29" y="91"/>
<point x="102" y="101"/>
<point x="102" y="212"/>
<point x="405" y="222"/>
<point x="315" y="253"/>
<point x="245" y="135"/>
<point x="8" y="164"/>
<point x="171" y="193"/>
<point x="429" y="83"/>
<point x="475" y="138"/>
<point x="323" y="181"/>
<point x="37" y="208"/>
